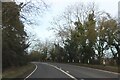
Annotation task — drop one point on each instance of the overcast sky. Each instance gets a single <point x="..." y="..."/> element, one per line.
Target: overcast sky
<point x="58" y="6"/>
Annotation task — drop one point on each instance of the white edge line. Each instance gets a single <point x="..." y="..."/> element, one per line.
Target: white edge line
<point x="32" y="72"/>
<point x="99" y="70"/>
<point x="63" y="71"/>
<point x="107" y="71"/>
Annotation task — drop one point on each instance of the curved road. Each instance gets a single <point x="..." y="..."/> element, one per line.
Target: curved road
<point x="72" y="72"/>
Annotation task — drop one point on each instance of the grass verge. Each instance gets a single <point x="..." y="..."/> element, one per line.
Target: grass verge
<point x="18" y="72"/>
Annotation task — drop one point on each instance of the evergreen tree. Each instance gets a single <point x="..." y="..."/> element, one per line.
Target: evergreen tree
<point x="14" y="43"/>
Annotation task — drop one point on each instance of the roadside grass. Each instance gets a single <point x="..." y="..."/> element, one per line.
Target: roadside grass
<point x="101" y="67"/>
<point x="18" y="72"/>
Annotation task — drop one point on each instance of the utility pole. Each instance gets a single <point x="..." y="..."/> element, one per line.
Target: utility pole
<point x="7" y="0"/>
<point x="119" y="38"/>
<point x="119" y="14"/>
<point x="0" y="40"/>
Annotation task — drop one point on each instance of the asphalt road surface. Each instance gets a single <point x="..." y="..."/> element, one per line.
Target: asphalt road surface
<point x="59" y="70"/>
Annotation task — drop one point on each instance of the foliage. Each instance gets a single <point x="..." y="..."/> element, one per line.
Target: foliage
<point x="13" y="35"/>
<point x="87" y="34"/>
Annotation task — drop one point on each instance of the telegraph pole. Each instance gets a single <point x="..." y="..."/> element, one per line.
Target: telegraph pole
<point x="119" y="39"/>
<point x="119" y="14"/>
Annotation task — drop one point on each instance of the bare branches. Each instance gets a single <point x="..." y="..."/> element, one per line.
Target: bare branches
<point x="30" y="9"/>
<point x="64" y="24"/>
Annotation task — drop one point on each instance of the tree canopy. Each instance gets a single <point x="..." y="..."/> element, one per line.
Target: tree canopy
<point x="13" y="36"/>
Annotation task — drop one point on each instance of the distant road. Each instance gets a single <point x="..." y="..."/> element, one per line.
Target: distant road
<point x="59" y="70"/>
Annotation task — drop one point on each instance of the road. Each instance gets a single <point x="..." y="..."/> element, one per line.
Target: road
<point x="59" y="70"/>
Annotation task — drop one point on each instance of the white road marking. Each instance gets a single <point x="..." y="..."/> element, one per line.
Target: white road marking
<point x="31" y="72"/>
<point x="63" y="71"/>
<point x="99" y="70"/>
<point x="67" y="71"/>
<point x="107" y="71"/>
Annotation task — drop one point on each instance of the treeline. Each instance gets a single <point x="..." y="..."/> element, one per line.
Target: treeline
<point x="13" y="37"/>
<point x="86" y="35"/>
<point x="15" y="40"/>
<point x="40" y="50"/>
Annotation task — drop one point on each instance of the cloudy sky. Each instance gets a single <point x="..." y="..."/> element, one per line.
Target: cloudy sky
<point x="57" y="7"/>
